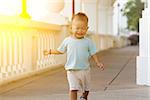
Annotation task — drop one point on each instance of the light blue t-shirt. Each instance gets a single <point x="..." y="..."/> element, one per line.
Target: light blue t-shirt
<point x="78" y="52"/>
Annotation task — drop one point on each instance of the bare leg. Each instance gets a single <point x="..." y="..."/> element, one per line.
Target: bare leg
<point x="73" y="94"/>
<point x="85" y="95"/>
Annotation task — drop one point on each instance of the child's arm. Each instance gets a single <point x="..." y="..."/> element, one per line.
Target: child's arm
<point x="99" y="64"/>
<point x="51" y="52"/>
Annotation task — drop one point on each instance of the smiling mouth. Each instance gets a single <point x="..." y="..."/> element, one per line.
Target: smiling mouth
<point x="80" y="34"/>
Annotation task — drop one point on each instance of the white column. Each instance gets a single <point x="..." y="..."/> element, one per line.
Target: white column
<point x="90" y="8"/>
<point x="109" y="20"/>
<point x="105" y="17"/>
<point x="78" y="6"/>
<point x="143" y="60"/>
<point x="115" y="18"/>
<point x="148" y="3"/>
<point x="102" y="19"/>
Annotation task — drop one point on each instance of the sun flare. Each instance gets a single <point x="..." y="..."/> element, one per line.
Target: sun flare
<point x="10" y="7"/>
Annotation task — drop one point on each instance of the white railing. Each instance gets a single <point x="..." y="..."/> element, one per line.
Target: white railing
<point x="22" y="43"/>
<point x="104" y="42"/>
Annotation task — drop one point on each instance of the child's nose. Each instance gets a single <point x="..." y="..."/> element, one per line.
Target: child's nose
<point x="80" y="30"/>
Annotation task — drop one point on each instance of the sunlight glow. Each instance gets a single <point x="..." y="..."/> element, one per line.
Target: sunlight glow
<point x="10" y="7"/>
<point x="37" y="8"/>
<point x="47" y="10"/>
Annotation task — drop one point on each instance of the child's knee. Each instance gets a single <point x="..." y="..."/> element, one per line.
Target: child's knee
<point x="73" y="90"/>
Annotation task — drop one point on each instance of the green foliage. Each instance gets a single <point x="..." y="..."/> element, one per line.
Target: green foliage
<point x="133" y="11"/>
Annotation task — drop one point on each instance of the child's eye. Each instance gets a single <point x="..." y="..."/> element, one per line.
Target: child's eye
<point x="82" y="28"/>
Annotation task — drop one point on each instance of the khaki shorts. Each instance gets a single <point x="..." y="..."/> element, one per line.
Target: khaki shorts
<point x="79" y="79"/>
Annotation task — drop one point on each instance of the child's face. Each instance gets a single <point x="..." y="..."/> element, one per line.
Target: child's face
<point x="79" y="28"/>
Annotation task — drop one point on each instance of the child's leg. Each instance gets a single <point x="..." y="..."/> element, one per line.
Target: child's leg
<point x="85" y="95"/>
<point x="73" y="94"/>
<point x="86" y="84"/>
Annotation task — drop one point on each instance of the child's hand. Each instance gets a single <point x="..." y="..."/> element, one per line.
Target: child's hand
<point x="101" y="66"/>
<point x="45" y="52"/>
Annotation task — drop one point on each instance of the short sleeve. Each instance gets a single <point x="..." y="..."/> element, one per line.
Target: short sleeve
<point x="63" y="46"/>
<point x="92" y="48"/>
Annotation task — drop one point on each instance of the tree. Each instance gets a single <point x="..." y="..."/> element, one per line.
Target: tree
<point x="133" y="12"/>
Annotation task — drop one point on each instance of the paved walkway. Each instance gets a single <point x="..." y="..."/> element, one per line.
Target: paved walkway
<point x="116" y="82"/>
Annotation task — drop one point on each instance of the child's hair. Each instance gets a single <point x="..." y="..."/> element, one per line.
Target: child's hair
<point x="81" y="16"/>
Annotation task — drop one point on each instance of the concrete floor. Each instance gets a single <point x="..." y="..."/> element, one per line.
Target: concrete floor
<point x="116" y="82"/>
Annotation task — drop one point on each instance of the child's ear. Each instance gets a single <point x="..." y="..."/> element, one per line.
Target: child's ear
<point x="88" y="27"/>
<point x="70" y="28"/>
